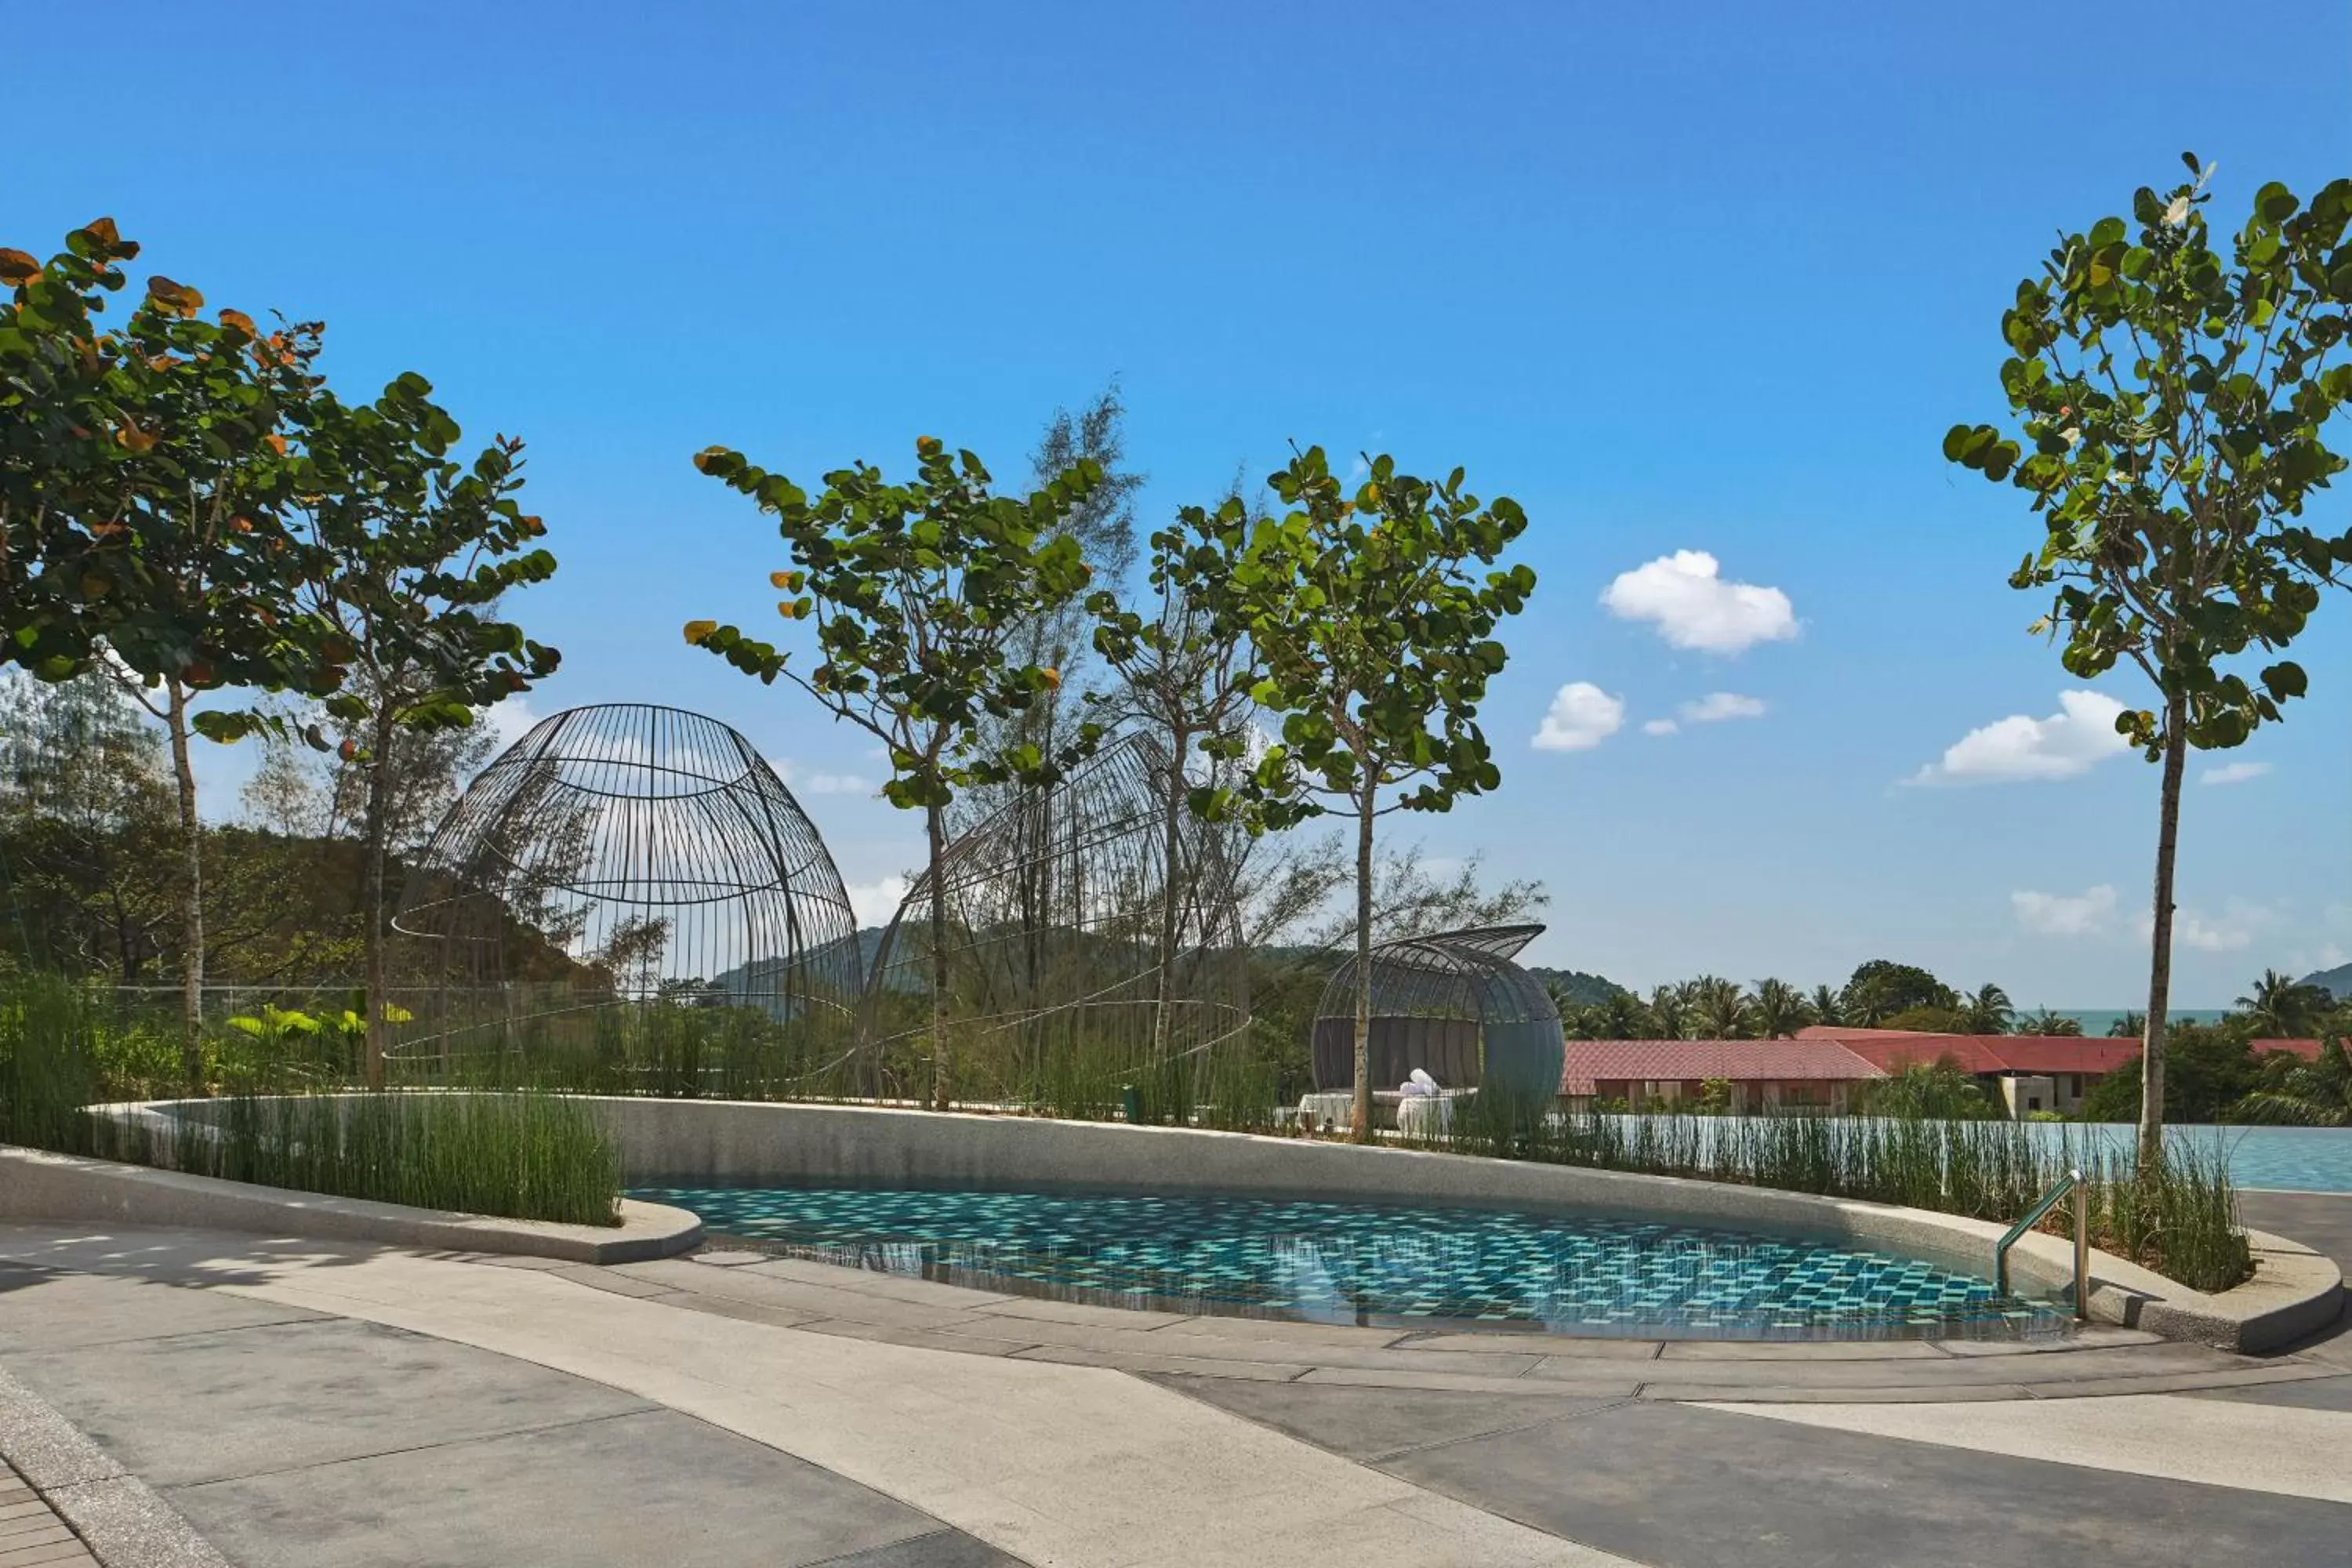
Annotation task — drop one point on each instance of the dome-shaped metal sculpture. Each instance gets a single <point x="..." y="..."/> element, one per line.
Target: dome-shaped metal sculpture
<point x="1081" y="958"/>
<point x="635" y="884"/>
<point x="1452" y="1005"/>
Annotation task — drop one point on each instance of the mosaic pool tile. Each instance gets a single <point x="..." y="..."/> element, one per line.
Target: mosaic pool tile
<point x="1373" y="1264"/>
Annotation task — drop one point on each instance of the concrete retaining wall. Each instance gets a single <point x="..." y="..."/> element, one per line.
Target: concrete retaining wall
<point x="41" y="1186"/>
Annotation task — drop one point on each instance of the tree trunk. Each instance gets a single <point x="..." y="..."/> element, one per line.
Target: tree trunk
<point x="1360" y="1115"/>
<point x="2159" y="967"/>
<point x="1170" y="891"/>
<point x="191" y="908"/>
<point x="942" y="1067"/>
<point x="379" y="772"/>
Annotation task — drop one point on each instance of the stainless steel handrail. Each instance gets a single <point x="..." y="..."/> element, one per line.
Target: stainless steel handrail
<point x="2072" y="1181"/>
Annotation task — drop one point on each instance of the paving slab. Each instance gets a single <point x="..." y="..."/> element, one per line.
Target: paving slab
<point x="1126" y="1360"/>
<point x="1540" y="1345"/>
<point x="1600" y="1383"/>
<point x="649" y="1487"/>
<point x="291" y="1395"/>
<point x="1802" y="1350"/>
<point x="970" y="1342"/>
<point x="43" y="1308"/>
<point x="1279" y="1330"/>
<point x="2302" y="1393"/>
<point x="1367" y="1423"/>
<point x="874" y="1282"/>
<point x="1677" y="1487"/>
<point x="1699" y="1392"/>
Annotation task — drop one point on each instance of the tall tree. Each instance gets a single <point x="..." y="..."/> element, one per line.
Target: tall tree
<point x="1187" y="672"/>
<point x="1674" y="1010"/>
<point x="1828" y="1006"/>
<point x="179" y="550"/>
<point x="85" y="827"/>
<point x="1880" y="987"/>
<point x="914" y="589"/>
<point x="1989" y="1011"/>
<point x="1374" y="632"/>
<point x="2177" y="399"/>
<point x="1780" y="1009"/>
<point x="404" y="555"/>
<point x="2281" y="1009"/>
<point x="1721" y="1009"/>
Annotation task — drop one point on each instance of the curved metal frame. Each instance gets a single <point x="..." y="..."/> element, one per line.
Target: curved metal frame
<point x="1053" y="906"/>
<point x="621" y="855"/>
<point x="1453" y="1003"/>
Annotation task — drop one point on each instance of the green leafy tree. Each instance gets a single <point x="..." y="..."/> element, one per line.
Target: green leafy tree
<point x="1720" y="1009"/>
<point x="1373" y="628"/>
<point x="142" y="486"/>
<point x="2212" y="1069"/>
<point x="1780" y="1009"/>
<point x="2127" y="1027"/>
<point x="1938" y="1090"/>
<point x="1882" y="987"/>
<point x="913" y="590"/>
<point x="2281" y="1009"/>
<point x="404" y="552"/>
<point x="2176" y="399"/>
<point x="2317" y="1093"/>
<point x="1928" y="1020"/>
<point x="2045" y="1021"/>
<point x="1673" y="1010"/>
<point x="1989" y="1011"/>
<point x="1828" y="1005"/>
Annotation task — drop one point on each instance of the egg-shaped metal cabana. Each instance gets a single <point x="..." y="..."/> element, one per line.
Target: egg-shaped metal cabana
<point x="1451" y="1003"/>
<point x="631" y="886"/>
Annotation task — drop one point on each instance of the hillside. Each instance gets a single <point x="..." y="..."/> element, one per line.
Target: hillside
<point x="1577" y="988"/>
<point x="2336" y="981"/>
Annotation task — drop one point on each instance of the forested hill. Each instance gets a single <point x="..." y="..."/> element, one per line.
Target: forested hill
<point x="1574" y="988"/>
<point x="2336" y="981"/>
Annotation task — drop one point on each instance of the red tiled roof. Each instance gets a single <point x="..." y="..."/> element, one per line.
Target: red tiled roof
<point x="2307" y="1049"/>
<point x="1690" y="1061"/>
<point x="1888" y="1050"/>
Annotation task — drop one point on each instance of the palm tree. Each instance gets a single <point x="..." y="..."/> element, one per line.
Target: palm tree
<point x="2307" y="1094"/>
<point x="2280" y="1009"/>
<point x="1625" y="1019"/>
<point x="2128" y="1026"/>
<point x="2045" y="1021"/>
<point x="1828" y="1006"/>
<point x="1988" y="1012"/>
<point x="1780" y="1009"/>
<point x="1721" y="1008"/>
<point x="1670" y="1006"/>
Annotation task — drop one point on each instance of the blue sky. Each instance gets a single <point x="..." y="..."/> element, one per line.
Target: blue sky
<point x="1707" y="279"/>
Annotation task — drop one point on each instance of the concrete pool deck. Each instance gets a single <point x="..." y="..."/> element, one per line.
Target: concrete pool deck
<point x="337" y="1404"/>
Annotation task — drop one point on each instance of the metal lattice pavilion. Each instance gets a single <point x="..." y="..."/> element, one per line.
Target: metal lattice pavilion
<point x="1451" y="1003"/>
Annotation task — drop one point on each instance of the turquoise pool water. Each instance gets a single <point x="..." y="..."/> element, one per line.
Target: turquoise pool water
<point x="2287" y="1159"/>
<point x="1376" y="1264"/>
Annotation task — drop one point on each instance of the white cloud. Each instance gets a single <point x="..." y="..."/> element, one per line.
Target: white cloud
<point x="2234" y="772"/>
<point x="1718" y="706"/>
<point x="508" y="722"/>
<point x="2233" y="931"/>
<point x="1581" y="717"/>
<point x="1660" y="727"/>
<point x="836" y="784"/>
<point x="2086" y="913"/>
<point x="876" y="902"/>
<point x="2081" y="734"/>
<point x="1691" y="607"/>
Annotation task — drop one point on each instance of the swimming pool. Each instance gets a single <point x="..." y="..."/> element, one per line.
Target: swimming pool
<point x="1384" y="1265"/>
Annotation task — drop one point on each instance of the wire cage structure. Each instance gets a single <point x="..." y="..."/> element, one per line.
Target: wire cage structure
<point x="629" y="896"/>
<point x="1454" y="1005"/>
<point x="1091" y="946"/>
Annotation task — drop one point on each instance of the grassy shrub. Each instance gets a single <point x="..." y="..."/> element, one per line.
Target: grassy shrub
<point x="521" y="1156"/>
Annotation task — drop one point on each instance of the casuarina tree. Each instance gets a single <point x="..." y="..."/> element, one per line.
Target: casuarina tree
<point x="1372" y="615"/>
<point x="914" y="590"/>
<point x="2172" y="399"/>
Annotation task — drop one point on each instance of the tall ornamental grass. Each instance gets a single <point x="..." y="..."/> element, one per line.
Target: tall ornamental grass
<point x="516" y="1155"/>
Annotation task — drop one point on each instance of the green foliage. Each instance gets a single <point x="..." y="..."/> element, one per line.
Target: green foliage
<point x="1374" y="635"/>
<point x="911" y="588"/>
<point x="2209" y="1068"/>
<point x="2045" y="1021"/>
<point x="2284" y="1009"/>
<point x="1881" y="988"/>
<point x="2176" y="400"/>
<point x="1937" y="1090"/>
<point x="2292" y="1092"/>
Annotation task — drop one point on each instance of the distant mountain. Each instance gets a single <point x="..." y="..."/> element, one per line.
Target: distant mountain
<point x="2335" y="982"/>
<point x="1579" y="989"/>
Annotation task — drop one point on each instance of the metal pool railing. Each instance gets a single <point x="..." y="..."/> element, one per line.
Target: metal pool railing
<point x="2072" y="1181"/>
